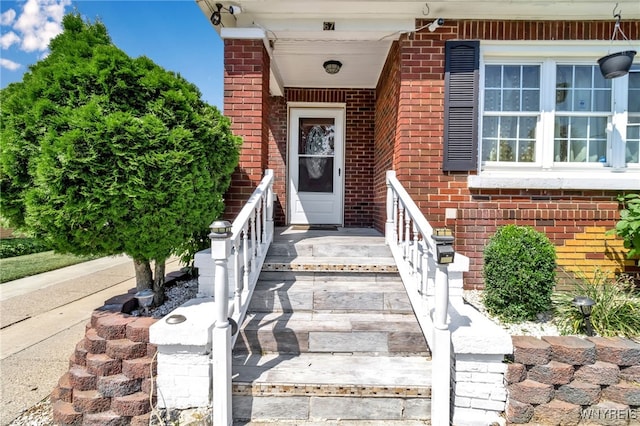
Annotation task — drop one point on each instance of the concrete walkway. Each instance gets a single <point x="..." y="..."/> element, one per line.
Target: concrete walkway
<point x="43" y="317"/>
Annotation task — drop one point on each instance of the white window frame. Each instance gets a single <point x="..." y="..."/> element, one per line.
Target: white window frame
<point x="534" y="164"/>
<point x="635" y="69"/>
<point x="545" y="173"/>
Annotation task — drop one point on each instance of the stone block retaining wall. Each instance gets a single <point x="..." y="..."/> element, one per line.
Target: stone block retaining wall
<point x="567" y="380"/>
<point x="110" y="374"/>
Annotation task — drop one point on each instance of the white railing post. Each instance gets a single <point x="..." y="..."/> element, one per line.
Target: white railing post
<point x="442" y="297"/>
<point x="441" y="353"/>
<point x="269" y="222"/>
<point x="221" y="333"/>
<point x="389" y="225"/>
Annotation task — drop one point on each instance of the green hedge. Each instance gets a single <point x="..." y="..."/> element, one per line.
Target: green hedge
<point x="519" y="273"/>
<point x="12" y="247"/>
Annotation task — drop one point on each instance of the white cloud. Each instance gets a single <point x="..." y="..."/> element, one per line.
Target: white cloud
<point x="9" y="39"/>
<point x="39" y="22"/>
<point x="8" y="64"/>
<point x="8" y="17"/>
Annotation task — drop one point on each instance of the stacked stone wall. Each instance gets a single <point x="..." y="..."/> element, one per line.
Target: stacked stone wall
<point x="111" y="374"/>
<point x="569" y="380"/>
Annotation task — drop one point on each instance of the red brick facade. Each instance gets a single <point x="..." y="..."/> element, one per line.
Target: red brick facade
<point x="399" y="126"/>
<point x="246" y="102"/>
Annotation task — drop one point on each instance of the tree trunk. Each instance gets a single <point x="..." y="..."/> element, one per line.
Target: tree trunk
<point x="144" y="279"/>
<point x="158" y="282"/>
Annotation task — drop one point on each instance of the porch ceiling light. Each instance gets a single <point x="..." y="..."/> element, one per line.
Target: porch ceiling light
<point x="332" y="66"/>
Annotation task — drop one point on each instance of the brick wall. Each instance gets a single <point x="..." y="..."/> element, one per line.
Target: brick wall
<point x="417" y="140"/>
<point x="479" y="393"/>
<point x="569" y="380"/>
<point x="592" y="252"/>
<point x="278" y="156"/>
<point x="110" y="374"/>
<point x="399" y="126"/>
<point x="246" y="103"/>
<point x="359" y="158"/>
<point x="386" y="117"/>
<point x="566" y="217"/>
<point x="359" y="149"/>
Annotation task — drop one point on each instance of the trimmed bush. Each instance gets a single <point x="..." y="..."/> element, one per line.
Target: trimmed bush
<point x="519" y="273"/>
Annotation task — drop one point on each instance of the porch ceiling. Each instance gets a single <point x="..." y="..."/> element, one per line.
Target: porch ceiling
<point x="294" y="33"/>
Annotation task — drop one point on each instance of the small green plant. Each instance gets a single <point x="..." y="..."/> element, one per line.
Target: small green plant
<point x="187" y="251"/>
<point x="615" y="313"/>
<point x="519" y="273"/>
<point x="628" y="227"/>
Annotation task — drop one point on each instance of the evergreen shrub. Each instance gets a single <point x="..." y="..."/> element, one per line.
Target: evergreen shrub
<point x="519" y="273"/>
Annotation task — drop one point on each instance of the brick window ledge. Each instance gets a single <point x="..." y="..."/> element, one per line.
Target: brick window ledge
<point x="570" y="180"/>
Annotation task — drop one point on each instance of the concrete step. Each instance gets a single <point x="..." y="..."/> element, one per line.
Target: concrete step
<point x="331" y="312"/>
<point x="334" y="247"/>
<point x="345" y="242"/>
<point x="330" y="264"/>
<point x="370" y="293"/>
<point x="320" y="387"/>
<point x="330" y="337"/>
<point x="332" y="422"/>
<point x="321" y="274"/>
<point x="301" y="332"/>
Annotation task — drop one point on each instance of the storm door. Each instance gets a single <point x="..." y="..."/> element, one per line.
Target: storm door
<point x="316" y="166"/>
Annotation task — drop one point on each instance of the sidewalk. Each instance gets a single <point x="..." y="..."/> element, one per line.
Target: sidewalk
<point x="43" y="318"/>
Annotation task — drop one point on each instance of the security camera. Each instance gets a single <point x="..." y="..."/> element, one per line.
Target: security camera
<point x="436" y="24"/>
<point x="235" y="10"/>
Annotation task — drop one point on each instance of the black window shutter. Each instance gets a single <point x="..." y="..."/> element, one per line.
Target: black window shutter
<point x="462" y="60"/>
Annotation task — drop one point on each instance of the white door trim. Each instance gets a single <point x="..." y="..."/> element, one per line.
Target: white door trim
<point x="334" y="202"/>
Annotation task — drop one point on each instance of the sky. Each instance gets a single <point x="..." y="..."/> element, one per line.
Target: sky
<point x="175" y="34"/>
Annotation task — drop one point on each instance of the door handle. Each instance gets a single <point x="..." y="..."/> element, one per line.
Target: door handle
<point x="339" y="170"/>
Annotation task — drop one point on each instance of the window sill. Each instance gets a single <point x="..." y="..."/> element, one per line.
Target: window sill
<point x="628" y="180"/>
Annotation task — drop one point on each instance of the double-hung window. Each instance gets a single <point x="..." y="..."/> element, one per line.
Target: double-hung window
<point x="511" y="113"/>
<point x="583" y="109"/>
<point x="555" y="113"/>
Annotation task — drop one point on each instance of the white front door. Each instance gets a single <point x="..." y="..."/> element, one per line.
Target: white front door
<point x="316" y="166"/>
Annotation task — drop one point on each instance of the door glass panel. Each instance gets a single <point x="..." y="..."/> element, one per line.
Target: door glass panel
<point x="316" y="154"/>
<point x="315" y="175"/>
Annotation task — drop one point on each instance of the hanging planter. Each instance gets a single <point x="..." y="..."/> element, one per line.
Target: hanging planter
<point x="616" y="64"/>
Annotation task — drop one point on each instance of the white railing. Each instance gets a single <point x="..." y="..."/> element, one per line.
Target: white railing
<point x="251" y="236"/>
<point x="238" y="257"/>
<point x="410" y="238"/>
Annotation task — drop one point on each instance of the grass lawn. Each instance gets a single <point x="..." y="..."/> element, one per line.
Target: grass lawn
<point x="13" y="268"/>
